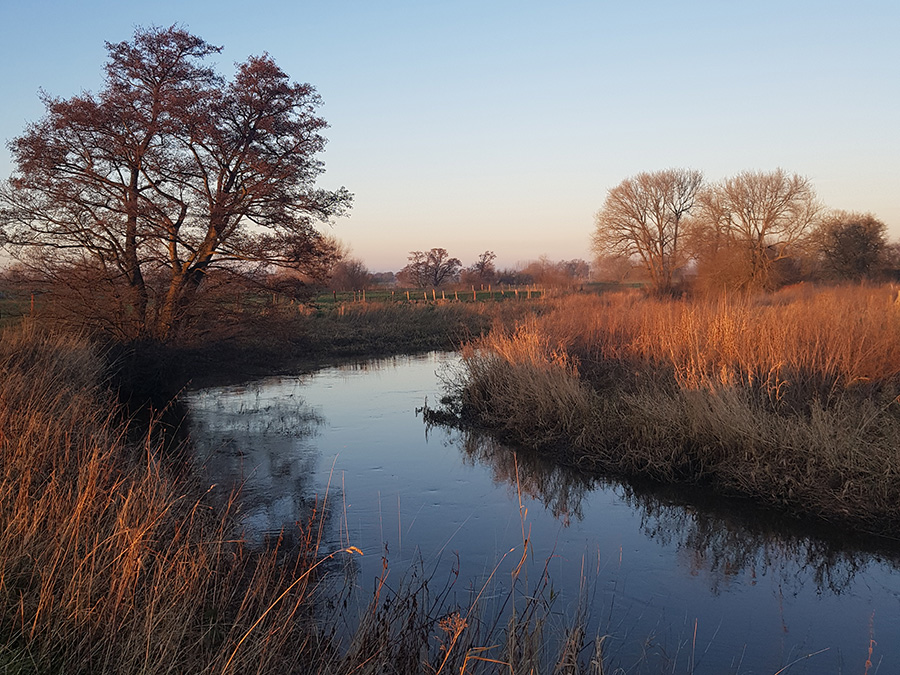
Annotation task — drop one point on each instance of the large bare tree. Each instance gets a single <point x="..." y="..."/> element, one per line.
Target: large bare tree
<point x="760" y="216"/>
<point x="430" y="268"/>
<point x="644" y="217"/>
<point x="169" y="172"/>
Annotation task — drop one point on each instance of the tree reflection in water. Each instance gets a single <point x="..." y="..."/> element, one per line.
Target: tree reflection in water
<point x="254" y="442"/>
<point x="718" y="537"/>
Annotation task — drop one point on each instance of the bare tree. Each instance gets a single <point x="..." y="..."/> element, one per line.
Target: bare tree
<point x="851" y="245"/>
<point x="430" y="268"/>
<point x="168" y="173"/>
<point x="482" y="271"/>
<point x="760" y="215"/>
<point x="350" y="274"/>
<point x="644" y="217"/>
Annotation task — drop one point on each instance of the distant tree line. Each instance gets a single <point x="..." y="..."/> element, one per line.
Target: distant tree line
<point x="755" y="230"/>
<point x="436" y="268"/>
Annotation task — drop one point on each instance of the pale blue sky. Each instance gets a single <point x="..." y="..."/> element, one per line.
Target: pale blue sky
<point x="501" y="125"/>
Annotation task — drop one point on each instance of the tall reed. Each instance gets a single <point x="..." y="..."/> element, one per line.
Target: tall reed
<point x="790" y="399"/>
<point x="110" y="560"/>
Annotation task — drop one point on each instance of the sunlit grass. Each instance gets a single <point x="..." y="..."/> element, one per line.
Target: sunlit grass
<point x="110" y="560"/>
<point x="790" y="399"/>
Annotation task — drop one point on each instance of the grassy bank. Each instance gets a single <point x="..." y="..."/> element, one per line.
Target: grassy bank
<point x="787" y="399"/>
<point x="112" y="560"/>
<point x="284" y="338"/>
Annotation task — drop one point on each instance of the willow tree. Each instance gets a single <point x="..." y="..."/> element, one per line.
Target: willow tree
<point x="169" y="172"/>
<point x="761" y="216"/>
<point x="644" y="217"/>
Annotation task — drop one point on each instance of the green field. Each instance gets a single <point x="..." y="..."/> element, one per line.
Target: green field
<point x="331" y="298"/>
<point x="12" y="308"/>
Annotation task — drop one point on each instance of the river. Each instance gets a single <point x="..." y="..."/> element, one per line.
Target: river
<point x="676" y="584"/>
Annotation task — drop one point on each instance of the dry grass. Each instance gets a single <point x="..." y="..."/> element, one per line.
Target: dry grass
<point x="790" y="399"/>
<point x="110" y="561"/>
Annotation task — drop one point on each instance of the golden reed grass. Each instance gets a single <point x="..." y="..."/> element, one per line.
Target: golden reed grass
<point x="110" y="562"/>
<point x="788" y="398"/>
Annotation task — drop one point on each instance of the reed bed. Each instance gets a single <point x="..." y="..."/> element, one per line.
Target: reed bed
<point x="790" y="399"/>
<point x="110" y="559"/>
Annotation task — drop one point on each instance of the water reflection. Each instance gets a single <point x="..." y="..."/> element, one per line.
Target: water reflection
<point x="258" y="439"/>
<point x="721" y="539"/>
<point x="659" y="562"/>
<point x="731" y="539"/>
<point x="560" y="489"/>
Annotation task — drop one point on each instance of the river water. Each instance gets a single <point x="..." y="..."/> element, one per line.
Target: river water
<point x="675" y="584"/>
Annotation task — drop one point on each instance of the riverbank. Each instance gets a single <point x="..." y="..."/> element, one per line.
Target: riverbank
<point x="790" y="400"/>
<point x="291" y="339"/>
<point x="114" y="559"/>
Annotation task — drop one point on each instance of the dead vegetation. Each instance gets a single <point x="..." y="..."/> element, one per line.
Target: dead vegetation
<point x="789" y="398"/>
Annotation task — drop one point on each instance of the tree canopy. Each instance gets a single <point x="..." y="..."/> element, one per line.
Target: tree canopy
<point x="757" y="217"/>
<point x="430" y="268"/>
<point x="851" y="245"/>
<point x="169" y="172"/>
<point x="644" y="216"/>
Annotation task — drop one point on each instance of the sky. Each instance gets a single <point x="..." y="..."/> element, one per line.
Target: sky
<point x="501" y="125"/>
